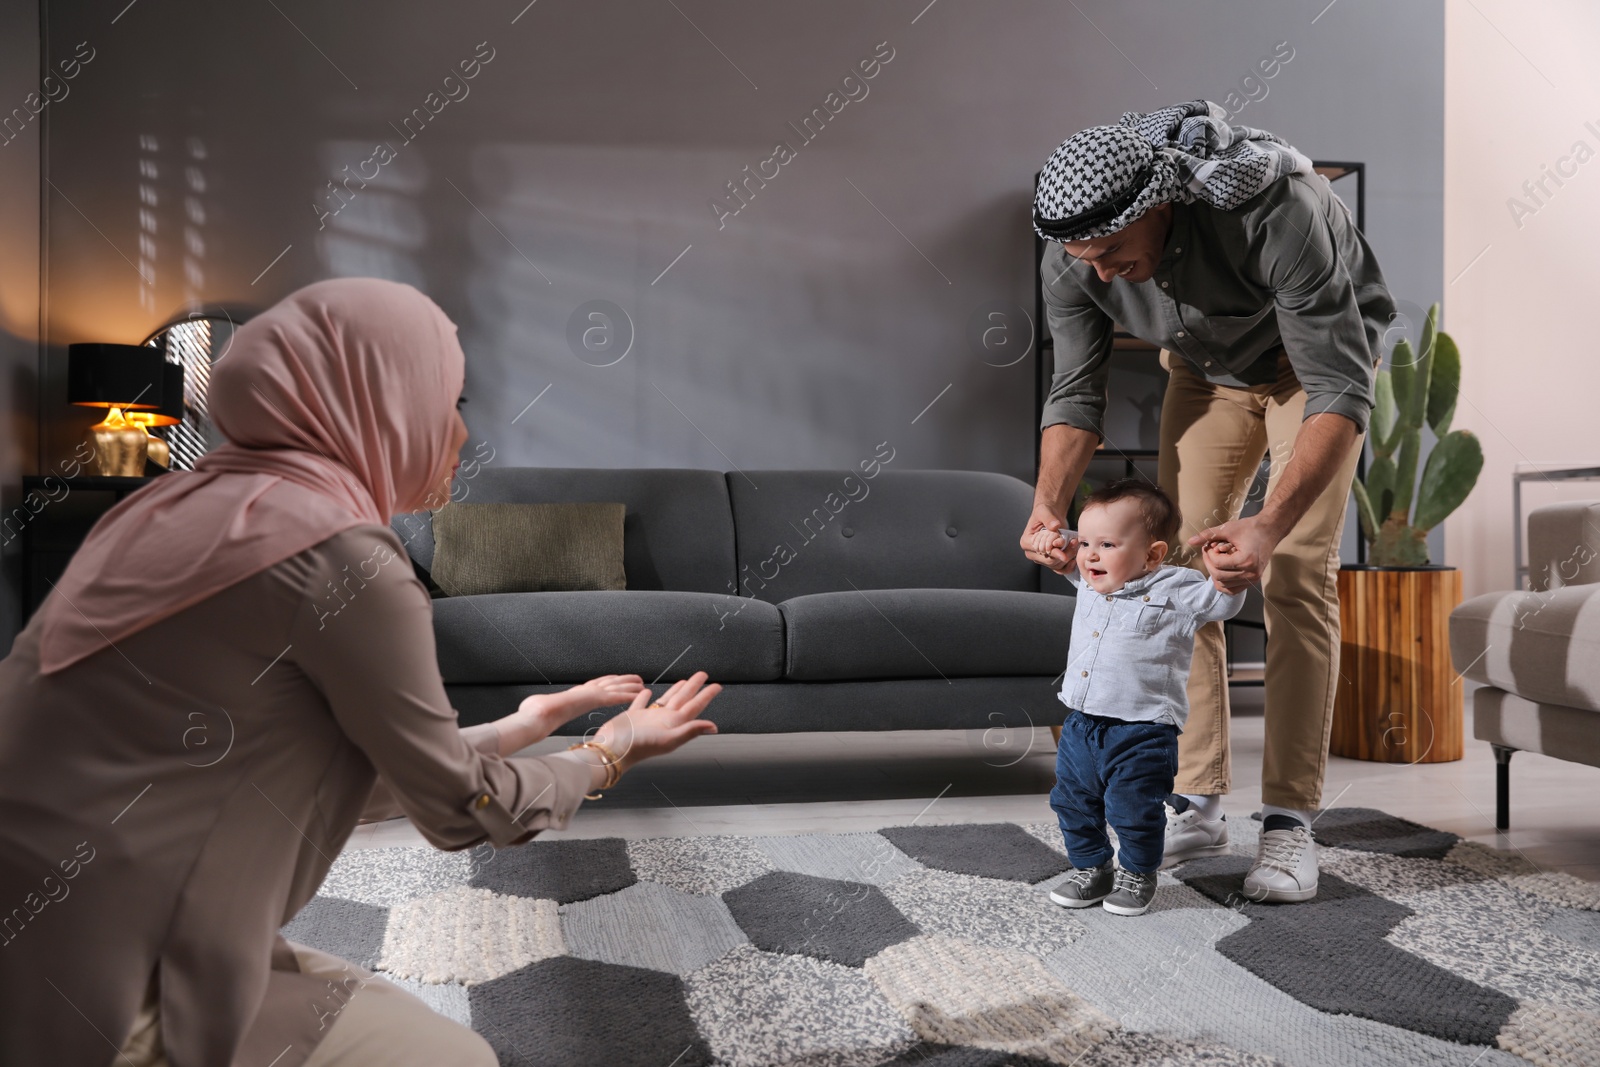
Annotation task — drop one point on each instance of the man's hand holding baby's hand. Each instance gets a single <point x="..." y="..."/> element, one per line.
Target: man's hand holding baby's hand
<point x="1047" y="540"/>
<point x="1219" y="557"/>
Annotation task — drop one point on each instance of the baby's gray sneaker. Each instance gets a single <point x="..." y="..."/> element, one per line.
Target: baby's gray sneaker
<point x="1131" y="893"/>
<point x="1083" y="887"/>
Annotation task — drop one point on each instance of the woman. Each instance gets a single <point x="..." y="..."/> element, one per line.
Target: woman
<point x="145" y="867"/>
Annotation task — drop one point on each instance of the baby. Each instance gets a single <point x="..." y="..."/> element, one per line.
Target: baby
<point x="1125" y="688"/>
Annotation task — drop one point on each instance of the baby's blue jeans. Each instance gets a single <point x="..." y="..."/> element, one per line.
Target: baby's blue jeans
<point x="1117" y="772"/>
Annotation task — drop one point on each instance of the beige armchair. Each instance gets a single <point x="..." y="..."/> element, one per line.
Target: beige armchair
<point x="1537" y="652"/>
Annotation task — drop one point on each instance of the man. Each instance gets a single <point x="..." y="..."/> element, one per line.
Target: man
<point x="1222" y="246"/>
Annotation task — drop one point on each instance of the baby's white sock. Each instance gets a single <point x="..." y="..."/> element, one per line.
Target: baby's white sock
<point x="1209" y="805"/>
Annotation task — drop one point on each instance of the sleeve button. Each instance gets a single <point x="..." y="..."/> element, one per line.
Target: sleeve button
<point x="482" y="801"/>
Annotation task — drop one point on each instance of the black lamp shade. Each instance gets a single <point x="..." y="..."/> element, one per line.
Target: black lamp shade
<point x="170" y="413"/>
<point x="122" y="376"/>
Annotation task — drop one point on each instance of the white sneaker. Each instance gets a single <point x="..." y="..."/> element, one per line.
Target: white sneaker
<point x="1190" y="837"/>
<point x="1285" y="870"/>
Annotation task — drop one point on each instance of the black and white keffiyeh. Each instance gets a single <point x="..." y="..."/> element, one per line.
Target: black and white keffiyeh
<point x="1102" y="178"/>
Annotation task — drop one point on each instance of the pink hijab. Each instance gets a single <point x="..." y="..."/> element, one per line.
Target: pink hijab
<point x="336" y="407"/>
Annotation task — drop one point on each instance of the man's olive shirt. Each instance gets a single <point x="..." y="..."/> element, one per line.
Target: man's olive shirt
<point x="1286" y="270"/>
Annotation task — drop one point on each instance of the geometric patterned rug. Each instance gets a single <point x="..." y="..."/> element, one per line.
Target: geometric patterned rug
<point x="937" y="946"/>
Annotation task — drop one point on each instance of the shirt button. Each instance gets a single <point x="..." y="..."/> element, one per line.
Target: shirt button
<point x="1095" y="634"/>
<point x="1163" y="285"/>
<point x="1086" y="674"/>
<point x="1180" y="333"/>
<point x="1108" y="596"/>
<point x="1147" y="598"/>
<point x="1175" y="251"/>
<point x="1208" y="363"/>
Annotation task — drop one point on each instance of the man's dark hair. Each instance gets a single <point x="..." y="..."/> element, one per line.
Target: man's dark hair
<point x="1160" y="514"/>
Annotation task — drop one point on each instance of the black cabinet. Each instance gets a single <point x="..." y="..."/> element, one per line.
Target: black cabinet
<point x="55" y="515"/>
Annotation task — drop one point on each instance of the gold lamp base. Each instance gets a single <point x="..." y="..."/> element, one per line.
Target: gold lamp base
<point x="157" y="450"/>
<point x="119" y="446"/>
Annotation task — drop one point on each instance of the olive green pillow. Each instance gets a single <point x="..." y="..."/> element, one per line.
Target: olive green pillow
<point x="527" y="548"/>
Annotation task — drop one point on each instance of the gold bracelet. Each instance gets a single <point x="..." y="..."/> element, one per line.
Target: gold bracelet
<point x="611" y="761"/>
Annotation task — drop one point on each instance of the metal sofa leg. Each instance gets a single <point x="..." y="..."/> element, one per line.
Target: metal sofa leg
<point x="1502" y="786"/>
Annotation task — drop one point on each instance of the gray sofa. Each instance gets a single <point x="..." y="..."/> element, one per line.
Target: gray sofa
<point x="1534" y="652"/>
<point x="822" y="600"/>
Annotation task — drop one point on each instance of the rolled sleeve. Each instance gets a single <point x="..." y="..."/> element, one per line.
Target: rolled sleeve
<point x="1081" y="333"/>
<point x="382" y="804"/>
<point x="1319" y="316"/>
<point x="375" y="663"/>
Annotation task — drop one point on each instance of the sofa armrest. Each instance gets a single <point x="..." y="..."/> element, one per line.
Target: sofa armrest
<point x="1564" y="545"/>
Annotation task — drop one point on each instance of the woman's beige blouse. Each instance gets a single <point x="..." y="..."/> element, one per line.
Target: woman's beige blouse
<point x="177" y="798"/>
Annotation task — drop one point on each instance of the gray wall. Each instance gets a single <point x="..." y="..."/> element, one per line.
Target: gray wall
<point x="19" y="288"/>
<point x="825" y="317"/>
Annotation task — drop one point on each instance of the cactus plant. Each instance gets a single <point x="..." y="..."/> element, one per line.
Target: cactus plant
<point x="1419" y="387"/>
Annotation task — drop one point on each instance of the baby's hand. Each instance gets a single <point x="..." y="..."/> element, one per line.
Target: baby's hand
<point x="1215" y="552"/>
<point x="1070" y="549"/>
<point x="1047" y="540"/>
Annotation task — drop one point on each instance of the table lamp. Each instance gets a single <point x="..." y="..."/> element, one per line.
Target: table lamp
<point x="120" y="378"/>
<point x="170" y="413"/>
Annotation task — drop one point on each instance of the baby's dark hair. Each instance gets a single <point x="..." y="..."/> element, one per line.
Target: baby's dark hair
<point x="1160" y="514"/>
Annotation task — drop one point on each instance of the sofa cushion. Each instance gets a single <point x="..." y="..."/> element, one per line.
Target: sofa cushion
<point x="528" y="548"/>
<point x="1544" y="646"/>
<point x="923" y="633"/>
<point x="979" y="704"/>
<point x="677" y="533"/>
<point x="1502" y="718"/>
<point x="803" y="532"/>
<point x="572" y="637"/>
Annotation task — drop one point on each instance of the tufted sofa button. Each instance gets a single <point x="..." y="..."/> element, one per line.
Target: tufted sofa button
<point x="848" y="531"/>
<point x="949" y="531"/>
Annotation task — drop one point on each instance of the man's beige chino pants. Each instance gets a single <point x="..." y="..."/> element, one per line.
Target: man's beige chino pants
<point x="1213" y="438"/>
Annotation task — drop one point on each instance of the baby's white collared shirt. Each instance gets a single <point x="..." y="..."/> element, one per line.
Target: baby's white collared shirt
<point x="1131" y="649"/>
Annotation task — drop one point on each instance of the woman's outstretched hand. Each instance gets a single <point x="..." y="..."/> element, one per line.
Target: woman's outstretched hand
<point x="544" y="713"/>
<point x="642" y="732"/>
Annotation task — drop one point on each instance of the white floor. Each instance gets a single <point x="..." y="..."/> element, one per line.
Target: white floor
<point x="831" y="782"/>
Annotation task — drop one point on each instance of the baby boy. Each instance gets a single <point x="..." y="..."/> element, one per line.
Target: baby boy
<point x="1125" y="688"/>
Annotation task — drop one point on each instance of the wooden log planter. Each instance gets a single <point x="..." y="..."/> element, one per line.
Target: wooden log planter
<point x="1398" y="698"/>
